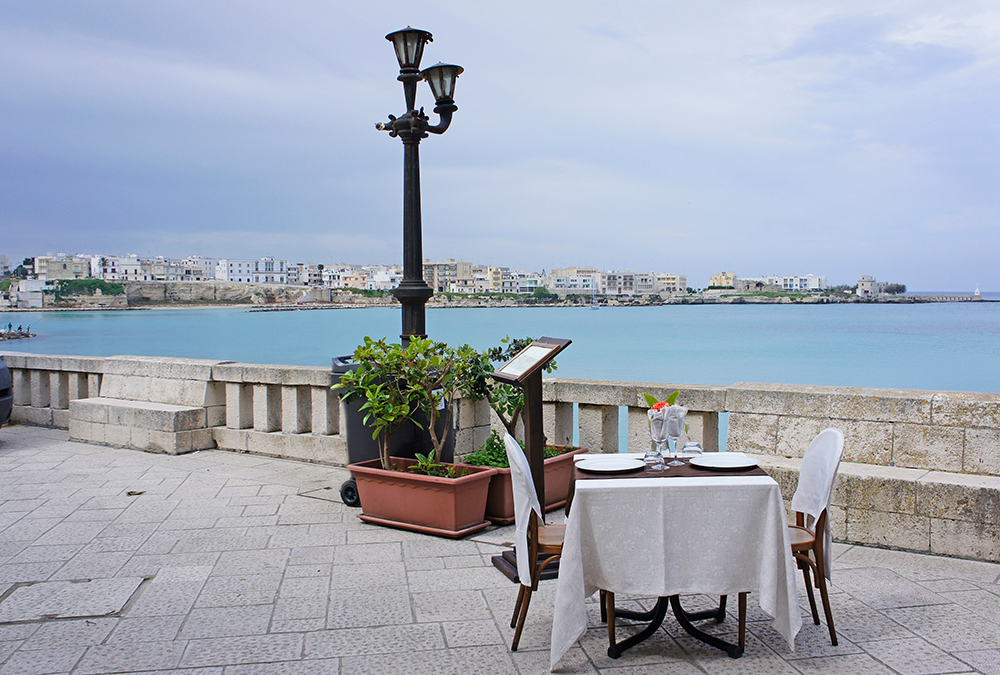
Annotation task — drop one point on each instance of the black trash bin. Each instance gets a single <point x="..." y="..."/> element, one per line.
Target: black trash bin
<point x="406" y="441"/>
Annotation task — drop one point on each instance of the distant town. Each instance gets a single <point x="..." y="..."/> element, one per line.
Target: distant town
<point x="28" y="282"/>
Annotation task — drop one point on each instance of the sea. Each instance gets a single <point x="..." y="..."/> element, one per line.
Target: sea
<point x="943" y="346"/>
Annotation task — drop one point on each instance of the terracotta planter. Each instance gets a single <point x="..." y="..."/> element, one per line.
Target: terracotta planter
<point x="446" y="507"/>
<point x="558" y="474"/>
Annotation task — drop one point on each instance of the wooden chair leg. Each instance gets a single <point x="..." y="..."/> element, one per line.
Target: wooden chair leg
<point x="821" y="582"/>
<point x="604" y="606"/>
<point x="517" y="605"/>
<point x="743" y="620"/>
<point x="809" y="590"/>
<point x="609" y="605"/>
<point x="521" y="617"/>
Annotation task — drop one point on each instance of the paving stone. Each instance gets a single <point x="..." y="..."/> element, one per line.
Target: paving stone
<point x="982" y="603"/>
<point x="376" y="606"/>
<point x="251" y="562"/>
<point x="213" y="622"/>
<point x="63" y="599"/>
<point x="884" y="588"/>
<point x="242" y="650"/>
<point x="147" y="629"/>
<point x="471" y="661"/>
<point x="450" y="606"/>
<point x="313" y="667"/>
<point x="914" y="656"/>
<point x="377" y="640"/>
<point x="294" y="609"/>
<point x="986" y="661"/>
<point x="64" y="634"/>
<point x="229" y="591"/>
<point x="136" y="656"/>
<point x="42" y="661"/>
<point x="472" y="633"/>
<point x="359" y="554"/>
<point x="948" y="627"/>
<point x="366" y="576"/>
<point x="848" y="664"/>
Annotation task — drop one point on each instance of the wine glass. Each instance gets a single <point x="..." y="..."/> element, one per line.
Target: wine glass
<point x="658" y="441"/>
<point x="675" y="427"/>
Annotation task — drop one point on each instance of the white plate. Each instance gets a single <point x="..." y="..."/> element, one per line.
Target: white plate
<point x="610" y="464"/>
<point x="723" y="461"/>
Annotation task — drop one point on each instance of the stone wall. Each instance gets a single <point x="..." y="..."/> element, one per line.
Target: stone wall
<point x="921" y="469"/>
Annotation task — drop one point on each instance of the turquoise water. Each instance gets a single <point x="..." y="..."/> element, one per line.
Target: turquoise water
<point x="942" y="346"/>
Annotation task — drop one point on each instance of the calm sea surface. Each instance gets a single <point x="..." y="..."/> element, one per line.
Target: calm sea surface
<point x="942" y="346"/>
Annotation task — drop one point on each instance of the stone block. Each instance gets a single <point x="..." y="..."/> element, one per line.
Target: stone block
<point x="80" y="431"/>
<point x="967" y="409"/>
<point x="266" y="407"/>
<point x="60" y="418"/>
<point x="118" y="436"/>
<point x="137" y="388"/>
<point x="89" y="410"/>
<point x="112" y="386"/>
<point x="325" y="411"/>
<point x="753" y="434"/>
<point x="881" y="405"/>
<point x="98" y="433"/>
<point x="693" y="397"/>
<point x="796" y="433"/>
<point x="638" y="439"/>
<point x="21" y="380"/>
<point x="279" y="375"/>
<point x="780" y="399"/>
<point x="922" y="446"/>
<point x="975" y="499"/>
<point x="978" y="541"/>
<point x="40" y="395"/>
<point x="599" y="427"/>
<point x="78" y="386"/>
<point x="39" y="417"/>
<point x="892" y="530"/>
<point x="239" y="406"/>
<point x="230" y="439"/>
<point x="837" y="515"/>
<point x="59" y="390"/>
<point x="296" y="410"/>
<point x="168" y="390"/>
<point x="872" y="489"/>
<point x="216" y="415"/>
<point x="590" y="392"/>
<point x="704" y="428"/>
<point x="982" y="452"/>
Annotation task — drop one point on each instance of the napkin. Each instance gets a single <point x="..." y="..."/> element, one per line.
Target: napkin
<point x="525" y="500"/>
<point x="815" y="489"/>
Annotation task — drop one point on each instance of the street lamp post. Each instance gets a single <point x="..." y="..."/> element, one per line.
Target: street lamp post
<point x="413" y="292"/>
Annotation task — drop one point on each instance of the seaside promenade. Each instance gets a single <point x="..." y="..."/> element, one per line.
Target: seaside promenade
<point x="218" y="563"/>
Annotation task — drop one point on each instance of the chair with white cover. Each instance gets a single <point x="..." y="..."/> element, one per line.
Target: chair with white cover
<point x="532" y="538"/>
<point x="811" y="504"/>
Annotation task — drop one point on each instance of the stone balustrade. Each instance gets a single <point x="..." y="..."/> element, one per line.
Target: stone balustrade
<point x="921" y="469"/>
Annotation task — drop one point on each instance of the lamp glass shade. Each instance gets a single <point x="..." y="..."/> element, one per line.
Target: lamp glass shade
<point x="441" y="77"/>
<point x="409" y="45"/>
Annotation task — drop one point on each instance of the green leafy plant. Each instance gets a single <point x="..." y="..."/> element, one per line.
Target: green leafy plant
<point x="506" y="400"/>
<point x="493" y="452"/>
<point x="396" y="382"/>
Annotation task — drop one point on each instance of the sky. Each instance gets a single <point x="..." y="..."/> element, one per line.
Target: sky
<point x="773" y="137"/>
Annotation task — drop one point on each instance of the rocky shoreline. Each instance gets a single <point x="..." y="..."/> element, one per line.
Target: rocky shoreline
<point x="271" y="297"/>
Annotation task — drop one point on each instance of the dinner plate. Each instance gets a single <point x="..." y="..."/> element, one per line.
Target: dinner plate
<point x="610" y="464"/>
<point x="723" y="461"/>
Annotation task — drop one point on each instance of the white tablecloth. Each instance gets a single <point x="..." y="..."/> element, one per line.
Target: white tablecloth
<point x="664" y="536"/>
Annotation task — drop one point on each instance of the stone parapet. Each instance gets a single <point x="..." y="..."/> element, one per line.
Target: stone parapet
<point x="912" y="509"/>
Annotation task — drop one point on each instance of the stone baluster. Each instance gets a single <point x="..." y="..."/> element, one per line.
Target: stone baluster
<point x="266" y="407"/>
<point x="239" y="405"/>
<point x="296" y="409"/>
<point x="325" y="411"/>
<point x="599" y="427"/>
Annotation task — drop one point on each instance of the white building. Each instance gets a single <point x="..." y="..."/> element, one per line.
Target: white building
<point x="802" y="282"/>
<point x="5" y="267"/>
<point x="260" y="271"/>
<point x="868" y="287"/>
<point x="61" y="266"/>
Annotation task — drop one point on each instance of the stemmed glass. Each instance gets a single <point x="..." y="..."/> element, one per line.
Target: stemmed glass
<point x="658" y="441"/>
<point x="675" y="427"/>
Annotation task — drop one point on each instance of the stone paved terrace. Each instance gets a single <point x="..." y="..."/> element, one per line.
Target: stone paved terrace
<point x="222" y="565"/>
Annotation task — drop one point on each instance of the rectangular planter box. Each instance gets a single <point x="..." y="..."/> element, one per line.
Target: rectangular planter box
<point x="446" y="507"/>
<point x="558" y="475"/>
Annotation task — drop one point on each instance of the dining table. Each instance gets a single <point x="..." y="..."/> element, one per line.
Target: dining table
<point x="712" y="530"/>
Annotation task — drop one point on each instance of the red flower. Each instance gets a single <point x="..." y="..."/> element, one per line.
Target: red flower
<point x="661" y="405"/>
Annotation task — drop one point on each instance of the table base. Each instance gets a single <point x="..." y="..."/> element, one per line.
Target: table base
<point x="656" y="615"/>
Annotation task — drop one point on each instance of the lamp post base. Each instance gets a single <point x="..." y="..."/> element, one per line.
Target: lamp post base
<point x="413" y="295"/>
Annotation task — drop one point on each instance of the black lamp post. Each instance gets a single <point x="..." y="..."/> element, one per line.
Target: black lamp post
<point x="413" y="292"/>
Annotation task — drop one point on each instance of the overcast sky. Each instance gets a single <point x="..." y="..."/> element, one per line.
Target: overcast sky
<point x="771" y="137"/>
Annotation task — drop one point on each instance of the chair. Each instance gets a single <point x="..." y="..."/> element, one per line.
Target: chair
<point x="532" y="539"/>
<point x="811" y="504"/>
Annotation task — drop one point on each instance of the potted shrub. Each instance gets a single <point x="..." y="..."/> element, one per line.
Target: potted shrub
<point x="418" y="383"/>
<point x="500" y="501"/>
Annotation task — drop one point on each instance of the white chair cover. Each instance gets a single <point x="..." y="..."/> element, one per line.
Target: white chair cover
<point x="815" y="490"/>
<point x="525" y="500"/>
